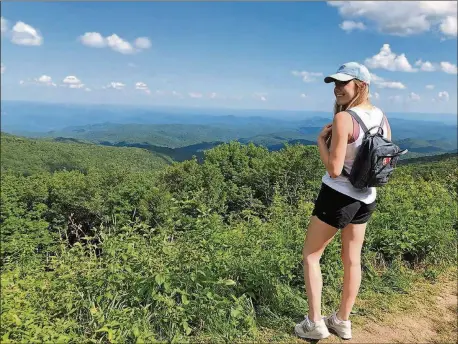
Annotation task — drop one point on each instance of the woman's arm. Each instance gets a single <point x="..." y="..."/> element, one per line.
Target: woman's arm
<point x="388" y="128"/>
<point x="334" y="157"/>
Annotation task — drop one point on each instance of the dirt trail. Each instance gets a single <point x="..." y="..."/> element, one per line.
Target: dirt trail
<point x="430" y="318"/>
<point x="427" y="314"/>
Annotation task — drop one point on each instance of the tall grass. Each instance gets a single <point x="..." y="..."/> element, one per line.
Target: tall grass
<point x="207" y="252"/>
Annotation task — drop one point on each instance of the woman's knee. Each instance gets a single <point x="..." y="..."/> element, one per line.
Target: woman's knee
<point x="350" y="260"/>
<point x="319" y="235"/>
<point x="311" y="258"/>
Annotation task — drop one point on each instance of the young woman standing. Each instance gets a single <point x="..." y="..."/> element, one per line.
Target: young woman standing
<point x="339" y="205"/>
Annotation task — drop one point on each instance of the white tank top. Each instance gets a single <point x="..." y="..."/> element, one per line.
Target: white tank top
<point x="371" y="117"/>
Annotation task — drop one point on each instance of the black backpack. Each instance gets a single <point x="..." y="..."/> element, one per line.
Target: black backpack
<point x="375" y="160"/>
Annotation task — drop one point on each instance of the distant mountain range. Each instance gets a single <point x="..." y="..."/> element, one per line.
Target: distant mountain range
<point x="43" y="117"/>
<point x="181" y="134"/>
<point x="417" y="148"/>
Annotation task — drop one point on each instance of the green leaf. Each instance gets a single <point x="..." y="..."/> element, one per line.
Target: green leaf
<point x="103" y="329"/>
<point x="135" y="331"/>
<point x="186" y="327"/>
<point x="229" y="282"/>
<point x="235" y="313"/>
<point x="6" y="337"/>
<point x="159" y="279"/>
<point x="184" y="299"/>
<point x="17" y="320"/>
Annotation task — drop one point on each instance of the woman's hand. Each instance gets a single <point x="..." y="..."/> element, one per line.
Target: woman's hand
<point x="324" y="134"/>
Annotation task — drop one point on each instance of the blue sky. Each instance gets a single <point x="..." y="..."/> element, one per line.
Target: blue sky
<point x="260" y="55"/>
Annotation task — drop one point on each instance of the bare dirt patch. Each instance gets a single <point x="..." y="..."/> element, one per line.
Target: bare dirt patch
<point x="430" y="317"/>
<point x="428" y="314"/>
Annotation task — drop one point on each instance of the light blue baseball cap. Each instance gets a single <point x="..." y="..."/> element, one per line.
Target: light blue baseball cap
<point x="350" y="71"/>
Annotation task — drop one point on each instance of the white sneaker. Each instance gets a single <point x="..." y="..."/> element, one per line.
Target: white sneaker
<point x="308" y="329"/>
<point x="341" y="327"/>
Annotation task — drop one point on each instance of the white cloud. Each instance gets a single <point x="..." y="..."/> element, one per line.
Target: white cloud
<point x="306" y="76"/>
<point x="446" y="67"/>
<point x="143" y="43"/>
<point x="24" y="34"/>
<point x="388" y="60"/>
<point x="414" y="97"/>
<point x="402" y="18"/>
<point x="444" y="96"/>
<point x="213" y="95"/>
<point x="3" y="68"/>
<point x="142" y="87"/>
<point x="303" y="95"/>
<point x="375" y="95"/>
<point x="382" y="83"/>
<point x="448" y="26"/>
<point x="45" y="80"/>
<point x="4" y="25"/>
<point x="76" y="86"/>
<point x="87" y="89"/>
<point x="195" y="95"/>
<point x="116" y="85"/>
<point x="260" y="96"/>
<point x="430" y="87"/>
<point x="349" y="26"/>
<point x="71" y="80"/>
<point x="396" y="98"/>
<point x="425" y="66"/>
<point x="93" y="39"/>
<point x="449" y="68"/>
<point x="118" y="44"/>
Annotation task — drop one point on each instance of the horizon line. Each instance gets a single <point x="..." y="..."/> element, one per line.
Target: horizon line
<point x="209" y="108"/>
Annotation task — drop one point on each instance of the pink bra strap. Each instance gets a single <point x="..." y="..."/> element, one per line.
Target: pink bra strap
<point x="355" y="134"/>
<point x="356" y="130"/>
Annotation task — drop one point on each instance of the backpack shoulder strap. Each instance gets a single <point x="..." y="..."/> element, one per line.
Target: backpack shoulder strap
<point x="358" y="119"/>
<point x="383" y="119"/>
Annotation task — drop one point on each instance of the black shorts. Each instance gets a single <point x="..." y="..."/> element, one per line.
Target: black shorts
<point x="338" y="210"/>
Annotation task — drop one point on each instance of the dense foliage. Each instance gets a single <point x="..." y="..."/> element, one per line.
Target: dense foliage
<point x="198" y="252"/>
<point x="29" y="156"/>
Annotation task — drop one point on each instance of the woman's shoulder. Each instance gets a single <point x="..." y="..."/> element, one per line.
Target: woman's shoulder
<point x="342" y="116"/>
<point x="371" y="108"/>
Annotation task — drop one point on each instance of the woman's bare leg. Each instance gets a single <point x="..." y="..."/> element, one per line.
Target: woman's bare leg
<point x="319" y="235"/>
<point x="352" y="243"/>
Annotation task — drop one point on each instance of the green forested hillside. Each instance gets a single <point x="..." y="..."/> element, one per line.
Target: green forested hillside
<point x="449" y="159"/>
<point x="428" y="146"/>
<point x="182" y="141"/>
<point x="164" y="135"/>
<point x="207" y="252"/>
<point x="29" y="156"/>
